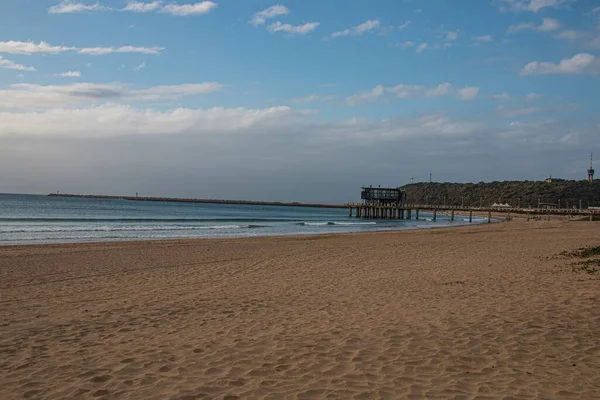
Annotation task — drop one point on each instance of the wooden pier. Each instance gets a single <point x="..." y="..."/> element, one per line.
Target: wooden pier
<point x="405" y="211"/>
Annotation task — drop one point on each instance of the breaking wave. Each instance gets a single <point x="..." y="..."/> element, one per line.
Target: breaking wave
<point x="46" y="229"/>
<point x="335" y="223"/>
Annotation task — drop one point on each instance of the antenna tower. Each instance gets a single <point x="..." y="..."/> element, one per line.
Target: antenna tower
<point x="591" y="171"/>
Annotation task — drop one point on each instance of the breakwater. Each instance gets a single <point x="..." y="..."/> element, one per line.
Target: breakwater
<point x="206" y="201"/>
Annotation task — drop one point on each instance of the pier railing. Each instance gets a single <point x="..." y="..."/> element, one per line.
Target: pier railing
<point x="404" y="211"/>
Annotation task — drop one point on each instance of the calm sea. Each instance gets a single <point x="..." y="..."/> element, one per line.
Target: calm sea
<point x="44" y="219"/>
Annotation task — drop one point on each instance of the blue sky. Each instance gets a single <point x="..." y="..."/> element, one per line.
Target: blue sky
<point x="231" y="98"/>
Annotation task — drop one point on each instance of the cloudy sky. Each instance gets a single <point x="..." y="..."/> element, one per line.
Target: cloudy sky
<point x="294" y="101"/>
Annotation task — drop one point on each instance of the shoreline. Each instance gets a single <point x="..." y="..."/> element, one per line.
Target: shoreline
<point x="495" y="220"/>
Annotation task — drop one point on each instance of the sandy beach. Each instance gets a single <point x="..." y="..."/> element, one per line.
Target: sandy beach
<point x="471" y="312"/>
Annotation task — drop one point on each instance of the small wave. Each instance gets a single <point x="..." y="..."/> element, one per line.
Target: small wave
<point x="331" y="223"/>
<point x="139" y="220"/>
<point x="126" y="228"/>
<point x="355" y="223"/>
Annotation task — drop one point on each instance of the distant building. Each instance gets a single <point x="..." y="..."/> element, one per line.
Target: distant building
<point x="549" y="179"/>
<point x="547" y="205"/>
<point x="383" y="196"/>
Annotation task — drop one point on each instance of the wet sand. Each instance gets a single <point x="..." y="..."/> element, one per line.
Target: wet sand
<point x="471" y="312"/>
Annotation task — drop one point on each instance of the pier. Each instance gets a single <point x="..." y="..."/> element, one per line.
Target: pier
<point x="390" y="203"/>
<point x="405" y="211"/>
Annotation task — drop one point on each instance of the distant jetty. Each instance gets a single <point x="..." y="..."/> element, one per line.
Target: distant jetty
<point x="207" y="201"/>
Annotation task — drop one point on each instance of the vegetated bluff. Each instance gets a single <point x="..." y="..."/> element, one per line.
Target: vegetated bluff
<point x="515" y="193"/>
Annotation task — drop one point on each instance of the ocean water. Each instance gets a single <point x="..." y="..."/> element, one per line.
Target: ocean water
<point x="45" y="219"/>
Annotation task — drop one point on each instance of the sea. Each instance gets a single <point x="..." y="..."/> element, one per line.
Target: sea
<point x="29" y="219"/>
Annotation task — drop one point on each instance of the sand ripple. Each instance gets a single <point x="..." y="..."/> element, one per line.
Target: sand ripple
<point x="469" y="313"/>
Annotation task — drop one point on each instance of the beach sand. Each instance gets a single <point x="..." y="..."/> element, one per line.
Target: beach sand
<point x="471" y="312"/>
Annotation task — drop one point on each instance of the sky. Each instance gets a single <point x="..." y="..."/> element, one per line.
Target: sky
<point x="294" y="100"/>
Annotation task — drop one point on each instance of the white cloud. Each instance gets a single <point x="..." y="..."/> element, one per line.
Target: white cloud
<point x="313" y="98"/>
<point x="468" y="93"/>
<point x="112" y="120"/>
<point x="291" y="29"/>
<point x="261" y="17"/>
<point x="139" y="67"/>
<point x="51" y="143"/>
<point x="30" y="48"/>
<point x="70" y="74"/>
<point x="173" y="91"/>
<point x="440" y="90"/>
<point x="115" y="119"/>
<point x="406" y="91"/>
<point x="501" y="97"/>
<point x="202" y="7"/>
<point x="98" y="51"/>
<point x="422" y="47"/>
<point x="532" y="97"/>
<point x="4" y="63"/>
<point x="366" y="97"/>
<point x="531" y="5"/>
<point x="68" y="6"/>
<point x="505" y="112"/>
<point x="569" y="34"/>
<point x="214" y="126"/>
<point x="452" y="35"/>
<point x="412" y="91"/>
<point x="587" y="39"/>
<point x="404" y="25"/>
<point x="32" y="96"/>
<point x="519" y="27"/>
<point x="547" y="25"/>
<point x="483" y="38"/>
<point x="406" y="44"/>
<point x="537" y="5"/>
<point x="141" y="7"/>
<point x="358" y="30"/>
<point x="578" y="64"/>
